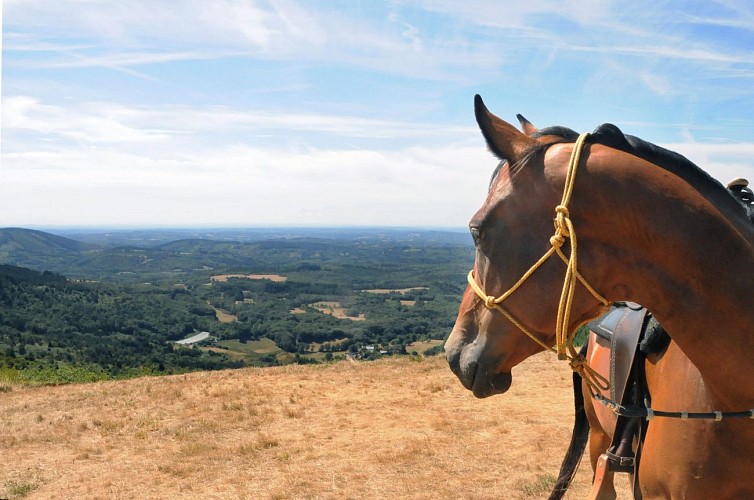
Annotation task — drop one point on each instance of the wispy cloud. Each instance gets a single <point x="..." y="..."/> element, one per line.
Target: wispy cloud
<point x="206" y="30"/>
<point x="28" y="113"/>
<point x="79" y="58"/>
<point x="101" y="122"/>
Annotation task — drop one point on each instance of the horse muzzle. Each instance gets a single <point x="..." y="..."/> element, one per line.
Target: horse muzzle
<point x="477" y="374"/>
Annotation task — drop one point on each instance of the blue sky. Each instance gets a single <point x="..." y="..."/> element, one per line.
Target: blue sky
<point x="257" y="113"/>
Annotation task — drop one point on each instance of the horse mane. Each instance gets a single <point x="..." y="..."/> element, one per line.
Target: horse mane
<point x="611" y="136"/>
<point x="563" y="132"/>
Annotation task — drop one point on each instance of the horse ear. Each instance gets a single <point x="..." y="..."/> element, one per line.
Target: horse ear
<point x="526" y="125"/>
<point x="503" y="139"/>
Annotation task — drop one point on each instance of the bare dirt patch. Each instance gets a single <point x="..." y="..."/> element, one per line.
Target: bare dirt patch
<point x="386" y="429"/>
<point x="335" y="309"/>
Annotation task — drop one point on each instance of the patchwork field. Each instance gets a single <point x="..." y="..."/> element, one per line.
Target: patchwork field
<point x="272" y="277"/>
<point x="388" y="429"/>
<point x="249" y="351"/>
<point x="402" y="291"/>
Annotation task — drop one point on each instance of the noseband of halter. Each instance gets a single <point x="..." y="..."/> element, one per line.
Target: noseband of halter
<point x="563" y="230"/>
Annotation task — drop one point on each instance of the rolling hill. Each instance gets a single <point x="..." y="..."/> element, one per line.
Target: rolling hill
<point x="20" y="246"/>
<point x="159" y="255"/>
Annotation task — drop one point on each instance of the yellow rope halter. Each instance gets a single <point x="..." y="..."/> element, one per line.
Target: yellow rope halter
<point x="563" y="337"/>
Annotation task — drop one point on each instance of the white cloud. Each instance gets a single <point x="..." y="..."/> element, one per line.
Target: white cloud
<point x="99" y="122"/>
<point x="132" y="22"/>
<point x="79" y="59"/>
<point x="656" y="83"/>
<point x="243" y="185"/>
<point x="27" y="113"/>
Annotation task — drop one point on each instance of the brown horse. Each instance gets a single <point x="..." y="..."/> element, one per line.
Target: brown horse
<point x="652" y="228"/>
<point x="664" y="368"/>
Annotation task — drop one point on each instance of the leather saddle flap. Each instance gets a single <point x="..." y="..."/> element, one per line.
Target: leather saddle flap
<point x="622" y="327"/>
<point x="605" y="326"/>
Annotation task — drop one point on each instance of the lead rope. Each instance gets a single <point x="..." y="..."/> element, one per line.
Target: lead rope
<point x="563" y="230"/>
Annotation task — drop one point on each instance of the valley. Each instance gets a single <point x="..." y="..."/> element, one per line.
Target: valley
<point x="121" y="304"/>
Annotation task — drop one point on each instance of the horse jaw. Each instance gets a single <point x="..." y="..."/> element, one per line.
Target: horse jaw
<point x="477" y="371"/>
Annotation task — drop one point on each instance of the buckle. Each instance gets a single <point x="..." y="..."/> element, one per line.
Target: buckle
<point x="617" y="463"/>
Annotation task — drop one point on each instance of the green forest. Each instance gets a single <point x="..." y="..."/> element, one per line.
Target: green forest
<point x="77" y="311"/>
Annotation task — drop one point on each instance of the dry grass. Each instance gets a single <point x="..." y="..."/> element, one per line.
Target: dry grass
<point x="335" y="309"/>
<point x="386" y="429"/>
<point x="224" y="317"/>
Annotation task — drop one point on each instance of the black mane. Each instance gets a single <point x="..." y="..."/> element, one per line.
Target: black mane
<point x="564" y="132"/>
<point x="609" y="135"/>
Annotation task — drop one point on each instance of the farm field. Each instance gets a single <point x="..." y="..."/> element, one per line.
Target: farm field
<point x="392" y="428"/>
<point x="272" y="277"/>
<point x="251" y="351"/>
<point x="421" y="347"/>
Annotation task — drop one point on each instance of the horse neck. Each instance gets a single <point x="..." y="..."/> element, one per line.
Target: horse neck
<point x="657" y="241"/>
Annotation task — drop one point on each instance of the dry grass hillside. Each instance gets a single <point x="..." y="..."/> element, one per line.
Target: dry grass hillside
<point x="386" y="429"/>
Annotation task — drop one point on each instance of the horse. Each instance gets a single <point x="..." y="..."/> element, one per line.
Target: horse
<point x="596" y="423"/>
<point x="652" y="228"/>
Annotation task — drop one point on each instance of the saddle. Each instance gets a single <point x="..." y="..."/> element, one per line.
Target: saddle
<point x="629" y="332"/>
<point x="621" y="328"/>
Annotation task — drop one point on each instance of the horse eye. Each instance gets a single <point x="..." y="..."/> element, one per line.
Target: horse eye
<point x="476" y="234"/>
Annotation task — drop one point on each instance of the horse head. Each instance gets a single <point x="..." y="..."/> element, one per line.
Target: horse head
<point x="511" y="231"/>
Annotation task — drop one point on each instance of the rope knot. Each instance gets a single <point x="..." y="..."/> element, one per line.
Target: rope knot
<point x="594" y="380"/>
<point x="557" y="240"/>
<point x="489" y="301"/>
<point x="561" y="216"/>
<point x="577" y="364"/>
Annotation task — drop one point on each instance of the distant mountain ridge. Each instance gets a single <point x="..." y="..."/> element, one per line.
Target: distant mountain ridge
<point x="157" y="237"/>
<point x="172" y="254"/>
<point x="14" y="239"/>
<point x="40" y="250"/>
